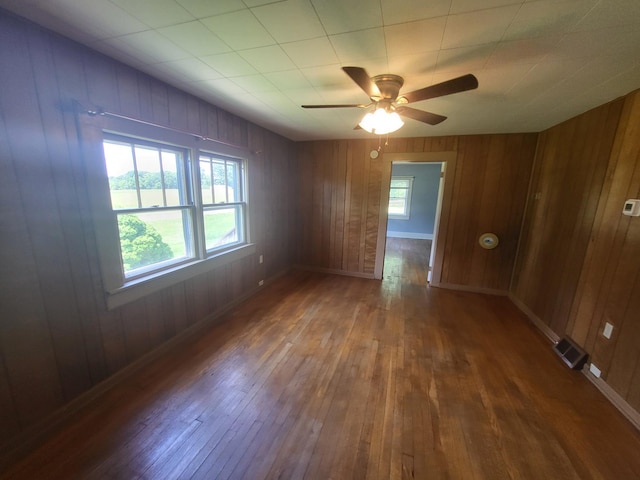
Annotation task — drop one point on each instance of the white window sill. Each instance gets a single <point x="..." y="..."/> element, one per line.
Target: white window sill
<point x="139" y="288"/>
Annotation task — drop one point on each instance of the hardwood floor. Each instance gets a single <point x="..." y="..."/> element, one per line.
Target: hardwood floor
<point x="322" y="376"/>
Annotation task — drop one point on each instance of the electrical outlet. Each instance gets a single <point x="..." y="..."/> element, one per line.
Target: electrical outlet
<point x="260" y="259"/>
<point x="608" y="330"/>
<point x="595" y="370"/>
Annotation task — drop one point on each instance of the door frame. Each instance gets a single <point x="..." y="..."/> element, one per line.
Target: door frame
<point x="448" y="160"/>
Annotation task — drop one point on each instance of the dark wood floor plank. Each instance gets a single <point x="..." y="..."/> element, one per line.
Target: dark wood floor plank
<point x="322" y="376"/>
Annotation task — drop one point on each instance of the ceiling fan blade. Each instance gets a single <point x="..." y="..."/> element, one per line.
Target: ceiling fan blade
<point x="361" y="77"/>
<point x="421" y="116"/>
<point x="455" y="85"/>
<point x="359" y="105"/>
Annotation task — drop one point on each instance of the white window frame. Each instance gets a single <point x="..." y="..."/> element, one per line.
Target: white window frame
<point x="118" y="288"/>
<point x="407" y="205"/>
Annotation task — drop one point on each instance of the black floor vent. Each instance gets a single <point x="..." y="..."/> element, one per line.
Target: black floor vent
<point x="570" y="353"/>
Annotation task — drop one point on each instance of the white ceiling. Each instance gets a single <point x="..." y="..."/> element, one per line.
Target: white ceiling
<point x="538" y="62"/>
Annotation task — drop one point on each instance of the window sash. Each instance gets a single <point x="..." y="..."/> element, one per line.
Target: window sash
<point x="400" y="197"/>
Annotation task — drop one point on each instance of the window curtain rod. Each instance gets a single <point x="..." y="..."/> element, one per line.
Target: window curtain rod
<point x="99" y="111"/>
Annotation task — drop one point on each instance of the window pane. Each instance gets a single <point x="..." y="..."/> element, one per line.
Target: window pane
<point x="219" y="174"/>
<point x="149" y="179"/>
<point x="397" y="206"/>
<point x="205" y="181"/>
<point x="153" y="238"/>
<point x="172" y="178"/>
<point x="399" y="182"/>
<point x="222" y="226"/>
<point x="232" y="187"/>
<point x="121" y="172"/>
<point x="398" y="193"/>
<point x="225" y="177"/>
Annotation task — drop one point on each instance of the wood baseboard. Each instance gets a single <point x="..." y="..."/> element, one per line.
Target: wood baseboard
<point x="335" y="271"/>
<point x="30" y="438"/>
<point x="543" y="327"/>
<point x="466" y="288"/>
<point x="620" y="403"/>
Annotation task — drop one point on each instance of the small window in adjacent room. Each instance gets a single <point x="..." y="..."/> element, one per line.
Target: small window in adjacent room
<point x="400" y="197"/>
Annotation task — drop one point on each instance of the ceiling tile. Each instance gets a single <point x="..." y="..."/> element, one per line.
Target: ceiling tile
<point x="323" y="53"/>
<point x="230" y="64"/>
<point x="535" y="80"/>
<point x="221" y="87"/>
<point x="611" y="13"/>
<point x="289" y="80"/>
<point x="530" y="50"/>
<point x="304" y="96"/>
<point x="155" y="13"/>
<point x="195" y="38"/>
<point x="258" y="3"/>
<point x="498" y="80"/>
<point x="416" y="69"/>
<point x="192" y="69"/>
<point x="240" y="30"/>
<point x="326" y="76"/>
<point x="476" y="28"/>
<point x="601" y="42"/>
<point x="207" y="8"/>
<point x="356" y="46"/>
<point x="338" y="16"/>
<point x="290" y="21"/>
<point x="462" y="6"/>
<point x="254" y="83"/>
<point x="401" y="11"/>
<point x="464" y="59"/>
<point x="415" y="37"/>
<point x="149" y="47"/>
<point x="547" y="17"/>
<point x="268" y="59"/>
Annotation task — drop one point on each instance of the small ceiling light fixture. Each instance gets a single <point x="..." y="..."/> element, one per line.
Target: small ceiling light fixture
<point x="381" y="121"/>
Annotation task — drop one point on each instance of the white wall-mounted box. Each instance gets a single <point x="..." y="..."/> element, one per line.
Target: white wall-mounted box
<point x="631" y="208"/>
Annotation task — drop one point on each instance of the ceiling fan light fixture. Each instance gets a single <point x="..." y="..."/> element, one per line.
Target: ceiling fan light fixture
<point x="381" y="121"/>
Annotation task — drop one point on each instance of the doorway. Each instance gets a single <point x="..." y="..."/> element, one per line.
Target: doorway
<point x="413" y="203"/>
<point x="444" y="162"/>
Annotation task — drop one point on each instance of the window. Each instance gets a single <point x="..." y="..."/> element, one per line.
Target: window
<point x="166" y="205"/>
<point x="150" y="198"/>
<point x="222" y="201"/>
<point x="400" y="197"/>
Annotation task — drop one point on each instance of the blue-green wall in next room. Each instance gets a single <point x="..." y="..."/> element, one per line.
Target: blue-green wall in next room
<point x="424" y="200"/>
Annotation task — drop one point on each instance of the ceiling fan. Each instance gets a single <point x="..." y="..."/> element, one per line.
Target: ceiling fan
<point x="384" y="92"/>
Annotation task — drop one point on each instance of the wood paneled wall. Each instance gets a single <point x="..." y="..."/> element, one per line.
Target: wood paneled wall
<point x="609" y="286"/>
<point x="579" y="265"/>
<point x="569" y="172"/>
<point x="340" y="187"/>
<point x="57" y="340"/>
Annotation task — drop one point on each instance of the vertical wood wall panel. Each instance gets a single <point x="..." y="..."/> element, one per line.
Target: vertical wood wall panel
<point x="570" y="170"/>
<point x="490" y="187"/>
<point x="57" y="340"/>
<point x="34" y="379"/>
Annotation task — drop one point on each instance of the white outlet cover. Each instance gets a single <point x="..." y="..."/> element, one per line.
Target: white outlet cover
<point x="608" y="330"/>
<point x="595" y="370"/>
